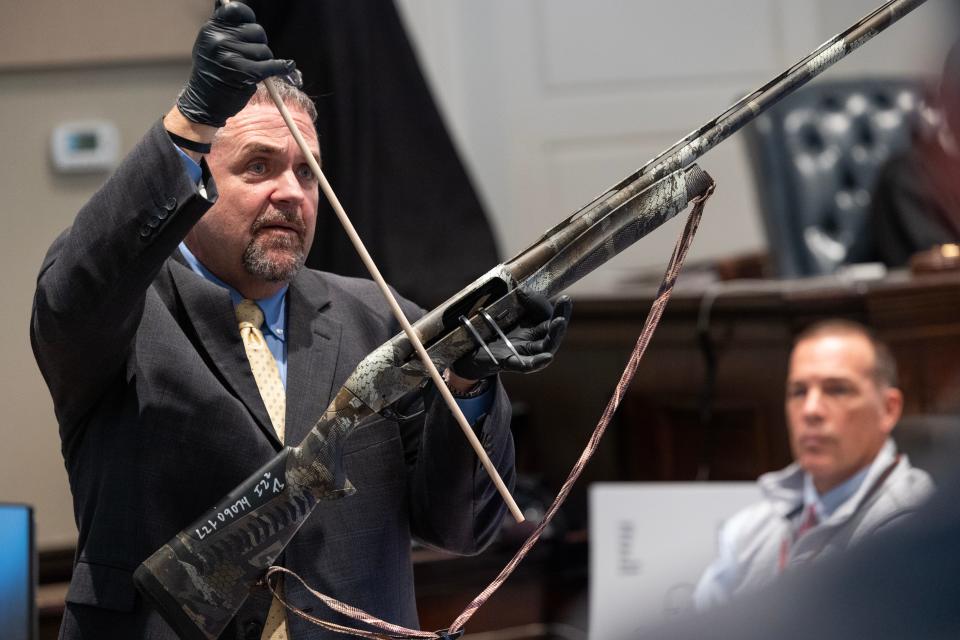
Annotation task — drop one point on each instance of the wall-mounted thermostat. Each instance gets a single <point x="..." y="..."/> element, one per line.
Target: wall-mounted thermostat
<point x="85" y="146"/>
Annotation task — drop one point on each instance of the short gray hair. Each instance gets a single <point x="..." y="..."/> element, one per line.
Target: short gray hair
<point x="885" y="365"/>
<point x="291" y="96"/>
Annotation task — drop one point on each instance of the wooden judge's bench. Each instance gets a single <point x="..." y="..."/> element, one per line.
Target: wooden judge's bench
<point x="706" y="403"/>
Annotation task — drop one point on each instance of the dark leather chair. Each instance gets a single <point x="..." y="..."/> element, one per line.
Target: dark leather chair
<point x="816" y="155"/>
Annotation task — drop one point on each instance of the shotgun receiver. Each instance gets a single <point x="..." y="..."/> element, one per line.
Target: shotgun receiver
<point x="200" y="578"/>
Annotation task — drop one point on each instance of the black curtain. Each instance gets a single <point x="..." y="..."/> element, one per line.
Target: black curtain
<point x="385" y="148"/>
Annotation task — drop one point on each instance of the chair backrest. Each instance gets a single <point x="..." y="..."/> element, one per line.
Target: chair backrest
<point x="816" y="155"/>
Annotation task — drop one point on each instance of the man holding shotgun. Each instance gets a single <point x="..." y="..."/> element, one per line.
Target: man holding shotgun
<point x="184" y="345"/>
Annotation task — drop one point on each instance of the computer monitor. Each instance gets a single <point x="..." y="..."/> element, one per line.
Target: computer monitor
<point x="649" y="544"/>
<point x="18" y="573"/>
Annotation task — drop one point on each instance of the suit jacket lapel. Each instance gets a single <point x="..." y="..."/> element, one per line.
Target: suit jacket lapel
<point x="313" y="348"/>
<point x="210" y="310"/>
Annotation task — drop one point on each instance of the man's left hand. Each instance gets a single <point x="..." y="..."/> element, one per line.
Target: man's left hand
<point x="536" y="340"/>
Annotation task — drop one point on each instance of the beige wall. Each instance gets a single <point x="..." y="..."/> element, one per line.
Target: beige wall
<point x="65" y="60"/>
<point x="97" y="31"/>
<point x="37" y="205"/>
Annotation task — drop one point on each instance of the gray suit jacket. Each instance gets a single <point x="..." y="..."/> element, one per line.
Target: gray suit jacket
<point x="160" y="416"/>
<point x="757" y="545"/>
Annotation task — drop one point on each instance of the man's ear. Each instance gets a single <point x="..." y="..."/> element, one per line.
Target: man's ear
<point x="893" y="408"/>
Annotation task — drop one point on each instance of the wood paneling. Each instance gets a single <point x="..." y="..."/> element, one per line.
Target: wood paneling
<point x="673" y="425"/>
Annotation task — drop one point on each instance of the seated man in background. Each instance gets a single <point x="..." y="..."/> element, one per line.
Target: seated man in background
<point x="916" y="203"/>
<point x="847" y="479"/>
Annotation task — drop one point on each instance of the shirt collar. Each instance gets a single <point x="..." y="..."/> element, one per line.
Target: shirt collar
<point x="192" y="166"/>
<point x="273" y="307"/>
<point x="826" y="504"/>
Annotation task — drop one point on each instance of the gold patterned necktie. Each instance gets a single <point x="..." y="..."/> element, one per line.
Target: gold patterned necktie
<point x="265" y="372"/>
<point x="262" y="364"/>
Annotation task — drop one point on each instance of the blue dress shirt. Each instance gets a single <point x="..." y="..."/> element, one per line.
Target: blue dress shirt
<point x="829" y="502"/>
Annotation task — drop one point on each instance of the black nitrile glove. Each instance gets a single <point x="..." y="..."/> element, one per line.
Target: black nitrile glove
<point x="536" y="339"/>
<point x="230" y="57"/>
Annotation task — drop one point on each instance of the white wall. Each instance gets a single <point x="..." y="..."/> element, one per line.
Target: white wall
<point x="550" y="100"/>
<point x="553" y="101"/>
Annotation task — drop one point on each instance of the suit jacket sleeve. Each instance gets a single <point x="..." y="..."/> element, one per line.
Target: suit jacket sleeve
<point x="454" y="504"/>
<point x="94" y="279"/>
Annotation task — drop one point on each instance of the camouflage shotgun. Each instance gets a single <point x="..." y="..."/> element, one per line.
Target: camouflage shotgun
<point x="201" y="577"/>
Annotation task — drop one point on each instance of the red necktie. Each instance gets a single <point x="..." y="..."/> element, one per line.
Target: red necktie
<point x="810" y="520"/>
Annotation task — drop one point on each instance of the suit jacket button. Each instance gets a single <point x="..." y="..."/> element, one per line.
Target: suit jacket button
<point x="252" y="630"/>
<point x="145" y="231"/>
<point x="170" y="204"/>
<point x="153" y="222"/>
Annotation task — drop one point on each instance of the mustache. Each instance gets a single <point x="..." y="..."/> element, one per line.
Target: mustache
<point x="273" y="216"/>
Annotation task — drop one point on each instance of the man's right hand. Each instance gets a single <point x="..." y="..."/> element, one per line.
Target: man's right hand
<point x="230" y="57"/>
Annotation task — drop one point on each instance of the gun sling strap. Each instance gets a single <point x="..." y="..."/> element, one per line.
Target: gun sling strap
<point x="388" y="631"/>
